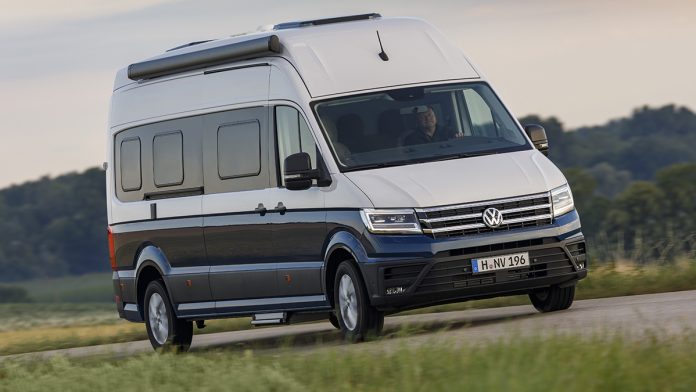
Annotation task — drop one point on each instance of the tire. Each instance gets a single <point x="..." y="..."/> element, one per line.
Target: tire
<point x="167" y="333"/>
<point x="552" y="298"/>
<point x="356" y="317"/>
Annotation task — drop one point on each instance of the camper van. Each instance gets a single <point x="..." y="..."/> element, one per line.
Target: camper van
<point x="338" y="169"/>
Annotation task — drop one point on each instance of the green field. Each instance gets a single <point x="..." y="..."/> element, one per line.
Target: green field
<point x="88" y="288"/>
<point x="568" y="363"/>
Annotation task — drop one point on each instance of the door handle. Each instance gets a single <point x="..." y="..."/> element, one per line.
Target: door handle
<point x="261" y="209"/>
<point x="280" y="208"/>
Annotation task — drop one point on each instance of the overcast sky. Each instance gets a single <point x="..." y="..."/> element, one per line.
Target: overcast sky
<point x="582" y="61"/>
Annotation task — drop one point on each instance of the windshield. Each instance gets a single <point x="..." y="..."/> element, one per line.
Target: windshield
<point x="418" y="124"/>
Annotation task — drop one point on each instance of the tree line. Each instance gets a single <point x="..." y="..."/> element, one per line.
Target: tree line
<point x="634" y="182"/>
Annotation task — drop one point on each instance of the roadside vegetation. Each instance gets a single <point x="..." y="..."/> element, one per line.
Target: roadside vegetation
<point x="569" y="363"/>
<point x="62" y="331"/>
<point x="43" y="326"/>
<point x="633" y="179"/>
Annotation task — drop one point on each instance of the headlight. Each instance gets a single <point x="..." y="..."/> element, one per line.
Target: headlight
<point x="562" y="200"/>
<point x="391" y="221"/>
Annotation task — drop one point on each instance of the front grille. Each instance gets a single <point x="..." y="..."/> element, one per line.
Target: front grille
<point x="457" y="274"/>
<point x="467" y="219"/>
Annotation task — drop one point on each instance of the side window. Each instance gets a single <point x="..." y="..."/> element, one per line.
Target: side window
<point x="235" y="150"/>
<point x="479" y="114"/>
<point x="239" y="150"/>
<point x="293" y="136"/>
<point x="131" y="176"/>
<point x="168" y="159"/>
<point x="159" y="160"/>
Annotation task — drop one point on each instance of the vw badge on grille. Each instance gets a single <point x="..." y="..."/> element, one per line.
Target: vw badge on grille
<point x="492" y="217"/>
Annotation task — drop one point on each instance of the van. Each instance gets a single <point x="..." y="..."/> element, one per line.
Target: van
<point x="338" y="169"/>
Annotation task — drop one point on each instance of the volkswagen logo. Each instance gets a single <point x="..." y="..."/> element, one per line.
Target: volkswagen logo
<point x="492" y="217"/>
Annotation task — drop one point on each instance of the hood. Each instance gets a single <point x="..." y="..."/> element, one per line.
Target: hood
<point x="459" y="180"/>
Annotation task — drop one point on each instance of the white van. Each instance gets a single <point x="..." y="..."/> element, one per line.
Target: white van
<point x="339" y="168"/>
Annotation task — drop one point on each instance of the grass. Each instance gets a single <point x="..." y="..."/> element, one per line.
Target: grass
<point x="41" y="326"/>
<point x="32" y="315"/>
<point x="42" y="338"/>
<point x="564" y="363"/>
<point x="87" y="288"/>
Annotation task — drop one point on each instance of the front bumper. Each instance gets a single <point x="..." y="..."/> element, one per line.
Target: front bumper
<point x="447" y="276"/>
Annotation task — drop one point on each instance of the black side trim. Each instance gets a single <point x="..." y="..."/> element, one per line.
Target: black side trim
<point x="175" y="193"/>
<point x="204" y="58"/>
<point x="233" y="213"/>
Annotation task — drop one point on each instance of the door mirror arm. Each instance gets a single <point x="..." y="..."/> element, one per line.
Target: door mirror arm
<point x="299" y="174"/>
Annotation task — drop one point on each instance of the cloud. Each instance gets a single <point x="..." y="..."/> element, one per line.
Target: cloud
<point x="36" y="13"/>
<point x="583" y="61"/>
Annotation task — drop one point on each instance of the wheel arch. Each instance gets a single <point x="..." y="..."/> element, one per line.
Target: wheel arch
<point x="343" y="245"/>
<point x="151" y="265"/>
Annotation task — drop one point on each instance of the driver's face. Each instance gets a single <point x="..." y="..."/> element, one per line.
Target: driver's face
<point x="427" y="119"/>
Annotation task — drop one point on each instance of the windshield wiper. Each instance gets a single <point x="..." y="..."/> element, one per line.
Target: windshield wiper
<point x="376" y="165"/>
<point x="423" y="160"/>
<point x="412" y="161"/>
<point x="453" y="156"/>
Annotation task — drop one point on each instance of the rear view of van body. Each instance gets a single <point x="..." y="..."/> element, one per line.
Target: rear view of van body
<point x="341" y="168"/>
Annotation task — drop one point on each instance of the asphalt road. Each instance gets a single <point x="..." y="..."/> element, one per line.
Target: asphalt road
<point x="634" y="317"/>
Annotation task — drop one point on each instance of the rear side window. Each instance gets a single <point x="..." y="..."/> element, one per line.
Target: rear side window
<point x="239" y="150"/>
<point x="159" y="160"/>
<point x="131" y="177"/>
<point x="168" y="159"/>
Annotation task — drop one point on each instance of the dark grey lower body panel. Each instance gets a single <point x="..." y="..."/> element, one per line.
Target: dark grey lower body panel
<point x="245" y="307"/>
<point x="132" y="313"/>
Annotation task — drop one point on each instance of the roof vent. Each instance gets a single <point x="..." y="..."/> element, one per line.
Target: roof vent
<point x="318" y="22"/>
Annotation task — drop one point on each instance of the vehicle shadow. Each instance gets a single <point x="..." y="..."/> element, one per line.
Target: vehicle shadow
<point x="404" y="327"/>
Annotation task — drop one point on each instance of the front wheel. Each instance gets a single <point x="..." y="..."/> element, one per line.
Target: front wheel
<point x="356" y="317"/>
<point x="166" y="332"/>
<point x="552" y="298"/>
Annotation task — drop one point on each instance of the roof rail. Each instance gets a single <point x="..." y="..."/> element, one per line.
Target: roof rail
<point x="256" y="47"/>
<point x="317" y="22"/>
<point x="189" y="44"/>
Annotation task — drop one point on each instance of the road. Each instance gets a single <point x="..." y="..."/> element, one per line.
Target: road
<point x="637" y="316"/>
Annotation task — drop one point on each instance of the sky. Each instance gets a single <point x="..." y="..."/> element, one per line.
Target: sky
<point x="584" y="62"/>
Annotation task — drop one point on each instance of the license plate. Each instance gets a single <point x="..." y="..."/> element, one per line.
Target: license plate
<point x="487" y="264"/>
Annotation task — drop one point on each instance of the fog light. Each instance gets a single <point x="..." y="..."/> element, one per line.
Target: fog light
<point x="396" y="290"/>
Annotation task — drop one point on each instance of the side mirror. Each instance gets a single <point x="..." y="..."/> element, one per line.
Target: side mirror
<point x="298" y="172"/>
<point x="538" y="136"/>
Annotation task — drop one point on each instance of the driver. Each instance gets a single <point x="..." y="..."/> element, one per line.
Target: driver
<point x="428" y="131"/>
